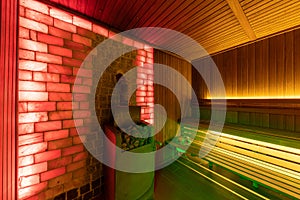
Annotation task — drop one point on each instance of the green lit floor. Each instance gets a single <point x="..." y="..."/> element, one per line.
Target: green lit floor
<point x="178" y="182"/>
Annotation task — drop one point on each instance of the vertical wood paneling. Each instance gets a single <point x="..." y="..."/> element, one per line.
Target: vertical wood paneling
<point x="8" y="99"/>
<point x="166" y="98"/>
<point x="267" y="68"/>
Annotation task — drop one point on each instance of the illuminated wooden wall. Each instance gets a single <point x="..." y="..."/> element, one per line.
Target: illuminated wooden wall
<point x="262" y="83"/>
<point x="266" y="69"/>
<point x="166" y="98"/>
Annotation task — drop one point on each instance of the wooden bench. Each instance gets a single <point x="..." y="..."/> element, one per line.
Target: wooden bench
<point x="264" y="163"/>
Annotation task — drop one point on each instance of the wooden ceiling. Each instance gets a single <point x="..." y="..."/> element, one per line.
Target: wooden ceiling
<point x="216" y="24"/>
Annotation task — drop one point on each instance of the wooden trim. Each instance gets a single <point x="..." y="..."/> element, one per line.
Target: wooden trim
<point x="8" y="99"/>
<point x="240" y="15"/>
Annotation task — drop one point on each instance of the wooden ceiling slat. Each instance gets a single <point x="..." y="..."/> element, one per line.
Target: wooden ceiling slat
<point x="89" y="10"/>
<point x="254" y="5"/>
<point x="150" y="12"/>
<point x="116" y="8"/>
<point x="276" y="13"/>
<point x="243" y="20"/>
<point x="99" y="10"/>
<point x="174" y="15"/>
<point x="264" y="9"/>
<point x="130" y="17"/>
<point x="168" y="5"/>
<point x="127" y="11"/>
<point x="200" y="15"/>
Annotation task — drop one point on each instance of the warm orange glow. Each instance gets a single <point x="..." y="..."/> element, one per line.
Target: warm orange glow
<point x="256" y="97"/>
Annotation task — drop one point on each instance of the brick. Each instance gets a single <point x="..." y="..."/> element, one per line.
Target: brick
<point x="33" y="25"/>
<point x="46" y="156"/>
<point x="32" y="190"/>
<point x="60" y="51"/>
<point x="58" y="87"/>
<point x="21" y="11"/>
<point x="61" y="15"/>
<point x="52" y="173"/>
<point x="25" y="54"/>
<point x="140" y="99"/>
<point x="67" y="79"/>
<point x="84" y="105"/>
<point x="80" y="97"/>
<point x="53" y="164"/>
<point x="72" y="194"/>
<point x="100" y="30"/>
<point x="142" y="52"/>
<point x="32" y="149"/>
<point x="79" y="55"/>
<point x="73" y="132"/>
<point x="33" y="35"/>
<point x="72" y="150"/>
<point x="22" y="107"/>
<point x="45" y="77"/>
<point x="33" y="96"/>
<point x="81" y="114"/>
<point x="79" y="140"/>
<point x="60" y="33"/>
<point x="127" y="41"/>
<point x="32" y="45"/>
<point x="87" y="81"/>
<point x="32" y="117"/>
<point x="53" y="192"/>
<point x="82" y="40"/>
<point x="111" y="34"/>
<point x="48" y="58"/>
<point x="141" y="58"/>
<point x="32" y="65"/>
<point x="60" y="180"/>
<point x="75" y="46"/>
<point x="55" y="135"/>
<point x="82" y="23"/>
<point x="72" y="123"/>
<point x="41" y="106"/>
<point x="150" y="54"/>
<point x="25" y="128"/>
<point x="23" y="33"/>
<point x="80" y="156"/>
<point x="29" y="180"/>
<point x="33" y="169"/>
<point x="80" y="173"/>
<point x="25" y="161"/>
<point x="64" y="26"/>
<point x="72" y="62"/>
<point x="85" y="188"/>
<point x="88" y="34"/>
<point x="30" y="138"/>
<point x="67" y="105"/>
<point x="58" y="144"/>
<point x="81" y="89"/>
<point x="60" y="69"/>
<point x="53" y="96"/>
<point x="148" y="49"/>
<point x="142" y="76"/>
<point x="47" y="126"/>
<point x="149" y="60"/>
<point x="60" y="115"/>
<point x="48" y="39"/>
<point x="142" y="88"/>
<point x="77" y="165"/>
<point x="35" y="5"/>
<point x="83" y="72"/>
<point x="138" y="63"/>
<point x="31" y="86"/>
<point x="39" y="17"/>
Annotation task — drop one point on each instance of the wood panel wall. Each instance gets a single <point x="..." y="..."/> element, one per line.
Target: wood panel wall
<point x="8" y="98"/>
<point x="166" y="98"/>
<point x="266" y="69"/>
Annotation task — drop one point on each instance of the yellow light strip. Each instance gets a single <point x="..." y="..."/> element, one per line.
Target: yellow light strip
<point x="256" y="97"/>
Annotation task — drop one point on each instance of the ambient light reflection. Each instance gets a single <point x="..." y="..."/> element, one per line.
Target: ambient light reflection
<point x="255" y="97"/>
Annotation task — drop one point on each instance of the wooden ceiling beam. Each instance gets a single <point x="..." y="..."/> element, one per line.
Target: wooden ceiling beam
<point x="242" y="18"/>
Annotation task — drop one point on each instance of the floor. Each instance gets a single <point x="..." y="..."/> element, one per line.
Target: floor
<point x="179" y="182"/>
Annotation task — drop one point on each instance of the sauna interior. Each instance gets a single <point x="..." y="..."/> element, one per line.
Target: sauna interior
<point x="149" y="99"/>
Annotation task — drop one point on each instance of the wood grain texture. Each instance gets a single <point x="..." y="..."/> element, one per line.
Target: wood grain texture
<point x="166" y="98"/>
<point x="8" y="99"/>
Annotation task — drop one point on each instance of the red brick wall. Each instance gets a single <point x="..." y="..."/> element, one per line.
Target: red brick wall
<point x="52" y="46"/>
